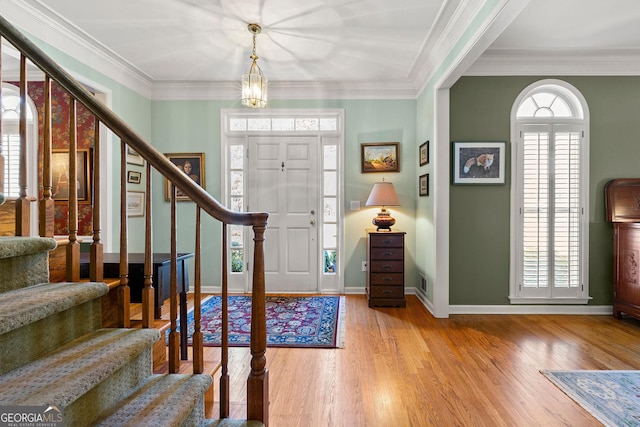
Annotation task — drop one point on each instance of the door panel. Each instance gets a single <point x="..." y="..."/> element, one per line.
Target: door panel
<point x="284" y="181"/>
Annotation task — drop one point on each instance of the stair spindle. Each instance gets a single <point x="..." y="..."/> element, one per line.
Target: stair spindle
<point x="148" y="306"/>
<point x="96" y="255"/>
<point x="174" y="338"/>
<point x="198" y="350"/>
<point x="23" y="207"/>
<point x="73" y="247"/>
<point x="124" y="292"/>
<point x="46" y="210"/>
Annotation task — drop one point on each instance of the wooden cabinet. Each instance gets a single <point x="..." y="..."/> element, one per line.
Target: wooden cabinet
<point x="623" y="209"/>
<point x="385" y="268"/>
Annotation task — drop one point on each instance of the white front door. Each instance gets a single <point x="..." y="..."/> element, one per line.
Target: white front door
<point x="284" y="181"/>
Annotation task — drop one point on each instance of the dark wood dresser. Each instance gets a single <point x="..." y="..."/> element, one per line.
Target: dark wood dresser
<point x="385" y="268"/>
<point x="623" y="209"/>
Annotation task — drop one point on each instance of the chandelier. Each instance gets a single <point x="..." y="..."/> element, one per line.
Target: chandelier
<point x="254" y="84"/>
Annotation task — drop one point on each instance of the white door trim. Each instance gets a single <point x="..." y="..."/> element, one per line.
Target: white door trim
<point x="232" y="135"/>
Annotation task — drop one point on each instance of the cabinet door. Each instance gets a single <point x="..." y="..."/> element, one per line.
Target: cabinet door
<point x="627" y="265"/>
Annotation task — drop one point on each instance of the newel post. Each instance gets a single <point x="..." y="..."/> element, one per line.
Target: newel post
<point x="258" y="381"/>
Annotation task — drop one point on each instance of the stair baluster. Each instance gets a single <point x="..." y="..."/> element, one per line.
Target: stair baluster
<point x="46" y="209"/>
<point x="124" y="292"/>
<point x="23" y="207"/>
<point x="148" y="305"/>
<point x="96" y="251"/>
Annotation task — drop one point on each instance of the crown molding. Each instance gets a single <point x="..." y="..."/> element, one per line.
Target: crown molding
<point x="514" y="62"/>
<point x="35" y="18"/>
<point x="452" y="22"/>
<point x="281" y="90"/>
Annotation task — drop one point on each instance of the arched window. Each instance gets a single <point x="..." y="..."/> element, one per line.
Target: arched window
<point x="10" y="148"/>
<point x="549" y="216"/>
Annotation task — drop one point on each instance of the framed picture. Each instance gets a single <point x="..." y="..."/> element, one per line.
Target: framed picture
<point x="135" y="203"/>
<point x="380" y="157"/>
<point x="423" y="185"/>
<point x="479" y="162"/>
<point x="134" y="177"/>
<point x="60" y="175"/>
<point x="423" y="153"/>
<point x="191" y="164"/>
<point x="133" y="157"/>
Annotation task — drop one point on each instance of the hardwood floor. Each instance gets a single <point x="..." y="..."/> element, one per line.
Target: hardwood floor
<point x="402" y="367"/>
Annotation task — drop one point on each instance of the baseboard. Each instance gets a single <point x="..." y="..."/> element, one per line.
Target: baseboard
<point x="604" y="310"/>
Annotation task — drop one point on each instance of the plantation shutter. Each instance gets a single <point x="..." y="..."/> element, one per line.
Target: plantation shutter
<point x="11" y="152"/>
<point x="535" y="229"/>
<point x="551" y="210"/>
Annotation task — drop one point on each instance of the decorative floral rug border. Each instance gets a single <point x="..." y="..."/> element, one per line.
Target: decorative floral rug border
<point x="613" y="397"/>
<point x="315" y="321"/>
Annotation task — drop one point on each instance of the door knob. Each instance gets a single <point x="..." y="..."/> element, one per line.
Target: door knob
<point x="313" y="212"/>
<point x="312" y="221"/>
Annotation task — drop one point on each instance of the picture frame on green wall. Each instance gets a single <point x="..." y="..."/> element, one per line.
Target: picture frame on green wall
<point x="423" y="185"/>
<point x="479" y="162"/>
<point x="380" y="157"/>
<point x="423" y="153"/>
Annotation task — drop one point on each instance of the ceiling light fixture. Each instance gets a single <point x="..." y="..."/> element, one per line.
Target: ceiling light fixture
<point x="254" y="84"/>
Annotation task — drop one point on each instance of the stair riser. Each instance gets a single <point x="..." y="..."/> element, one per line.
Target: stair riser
<point x="100" y="399"/>
<point x="26" y="344"/>
<point x="22" y="271"/>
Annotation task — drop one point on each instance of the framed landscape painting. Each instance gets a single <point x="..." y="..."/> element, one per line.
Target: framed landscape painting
<point x="380" y="157"/>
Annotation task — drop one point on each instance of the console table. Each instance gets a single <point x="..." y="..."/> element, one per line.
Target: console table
<point x="161" y="275"/>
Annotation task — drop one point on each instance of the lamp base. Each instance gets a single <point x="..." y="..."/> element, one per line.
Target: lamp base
<point x="383" y="221"/>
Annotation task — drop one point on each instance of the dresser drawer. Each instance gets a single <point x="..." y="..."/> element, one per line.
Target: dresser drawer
<point x="386" y="241"/>
<point x="386" y="292"/>
<point x="387" y="266"/>
<point x="387" y="278"/>
<point x="387" y="253"/>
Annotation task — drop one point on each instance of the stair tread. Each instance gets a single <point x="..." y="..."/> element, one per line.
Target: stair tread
<point x="15" y="246"/>
<point x="164" y="400"/>
<point x="75" y="368"/>
<point x="27" y="305"/>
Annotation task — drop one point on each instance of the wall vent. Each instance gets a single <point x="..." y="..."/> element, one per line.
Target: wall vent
<point x="423" y="282"/>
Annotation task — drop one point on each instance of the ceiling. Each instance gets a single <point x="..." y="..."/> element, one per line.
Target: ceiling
<point x="329" y="40"/>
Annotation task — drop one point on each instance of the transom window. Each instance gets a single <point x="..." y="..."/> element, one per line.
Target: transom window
<point x="549" y="196"/>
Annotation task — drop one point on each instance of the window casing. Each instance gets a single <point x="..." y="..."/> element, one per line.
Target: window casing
<point x="549" y="214"/>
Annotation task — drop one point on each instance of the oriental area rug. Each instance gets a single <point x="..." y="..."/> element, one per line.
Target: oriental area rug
<point x="613" y="397"/>
<point x="314" y="321"/>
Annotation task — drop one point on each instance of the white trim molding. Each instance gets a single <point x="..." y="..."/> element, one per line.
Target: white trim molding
<point x="515" y="62"/>
<point x="601" y="310"/>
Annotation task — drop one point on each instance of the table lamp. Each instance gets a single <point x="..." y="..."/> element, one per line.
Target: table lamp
<point x="383" y="194"/>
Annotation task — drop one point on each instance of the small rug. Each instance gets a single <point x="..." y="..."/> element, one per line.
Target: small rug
<point x="316" y="321"/>
<point x="613" y="397"/>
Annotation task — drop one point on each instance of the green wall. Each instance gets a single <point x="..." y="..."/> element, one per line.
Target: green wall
<point x="479" y="246"/>
<point x="194" y="126"/>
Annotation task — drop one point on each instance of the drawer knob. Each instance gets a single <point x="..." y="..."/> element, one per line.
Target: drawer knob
<point x="387" y="266"/>
<point x="387" y="253"/>
<point x="386" y="291"/>
<point x="387" y="279"/>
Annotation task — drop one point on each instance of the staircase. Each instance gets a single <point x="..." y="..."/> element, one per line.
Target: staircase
<point x="53" y="349"/>
<point x="55" y="353"/>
